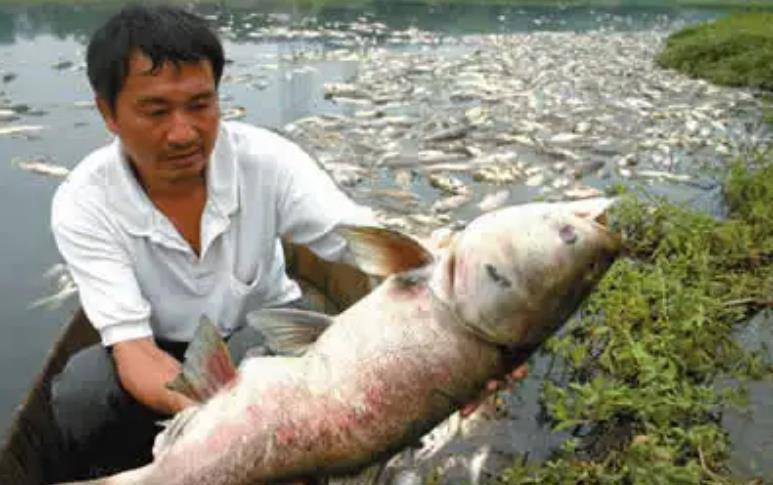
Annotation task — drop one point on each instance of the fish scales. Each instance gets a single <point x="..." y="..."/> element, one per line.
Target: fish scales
<point x="390" y="388"/>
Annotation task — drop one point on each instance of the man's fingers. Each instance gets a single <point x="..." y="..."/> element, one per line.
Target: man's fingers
<point x="519" y="372"/>
<point x="469" y="408"/>
<point x="493" y="386"/>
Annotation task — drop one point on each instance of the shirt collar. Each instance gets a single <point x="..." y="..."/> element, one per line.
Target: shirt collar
<point x="134" y="209"/>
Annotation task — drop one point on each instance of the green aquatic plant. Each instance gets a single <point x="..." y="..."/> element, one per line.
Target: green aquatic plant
<point x="767" y="108"/>
<point x="642" y="362"/>
<point x="733" y="51"/>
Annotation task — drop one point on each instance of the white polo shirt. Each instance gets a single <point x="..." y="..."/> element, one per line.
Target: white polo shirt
<point x="138" y="277"/>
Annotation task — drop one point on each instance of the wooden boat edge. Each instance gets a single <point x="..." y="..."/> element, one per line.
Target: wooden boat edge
<point x="31" y="427"/>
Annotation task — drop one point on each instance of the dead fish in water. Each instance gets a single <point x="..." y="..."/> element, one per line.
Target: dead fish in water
<point x="451" y="203"/>
<point x="352" y="390"/>
<point x="448" y="184"/>
<point x="63" y="288"/>
<point x="41" y="166"/>
<point x="494" y="201"/>
<point x="19" y="129"/>
<point x="234" y="113"/>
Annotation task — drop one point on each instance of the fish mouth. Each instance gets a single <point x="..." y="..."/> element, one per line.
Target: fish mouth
<point x="611" y="241"/>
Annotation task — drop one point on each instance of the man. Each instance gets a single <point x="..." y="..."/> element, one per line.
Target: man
<point x="180" y="217"/>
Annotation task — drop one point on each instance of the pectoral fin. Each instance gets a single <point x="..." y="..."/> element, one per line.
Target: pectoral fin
<point x="289" y="331"/>
<point x="173" y="429"/>
<point x="207" y="366"/>
<point x="382" y="252"/>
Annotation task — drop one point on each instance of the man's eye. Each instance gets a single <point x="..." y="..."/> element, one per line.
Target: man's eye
<point x="157" y="113"/>
<point x="200" y="106"/>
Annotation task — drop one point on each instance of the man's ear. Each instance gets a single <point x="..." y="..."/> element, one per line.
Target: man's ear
<point x="107" y="114"/>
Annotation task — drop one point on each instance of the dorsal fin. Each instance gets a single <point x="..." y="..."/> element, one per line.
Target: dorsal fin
<point x="289" y="331"/>
<point x="207" y="366"/>
<point x="382" y="252"/>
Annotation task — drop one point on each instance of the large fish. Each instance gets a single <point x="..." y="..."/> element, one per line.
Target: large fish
<point x="351" y="390"/>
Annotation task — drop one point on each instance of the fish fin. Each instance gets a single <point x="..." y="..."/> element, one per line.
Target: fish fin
<point x="366" y="476"/>
<point x="382" y="252"/>
<point x="289" y="331"/>
<point x="173" y="429"/>
<point x="207" y="367"/>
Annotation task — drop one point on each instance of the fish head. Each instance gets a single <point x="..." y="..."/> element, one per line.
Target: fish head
<point x="513" y="276"/>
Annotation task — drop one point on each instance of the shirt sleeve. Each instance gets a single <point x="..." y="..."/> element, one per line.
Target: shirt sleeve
<point x="311" y="205"/>
<point x="101" y="269"/>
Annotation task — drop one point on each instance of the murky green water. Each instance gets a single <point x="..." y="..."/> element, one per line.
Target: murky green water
<point x="42" y="78"/>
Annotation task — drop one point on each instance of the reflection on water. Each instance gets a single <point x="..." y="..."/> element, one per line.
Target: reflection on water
<point x="42" y="80"/>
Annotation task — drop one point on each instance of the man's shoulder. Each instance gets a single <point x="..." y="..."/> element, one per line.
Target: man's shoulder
<point x="86" y="183"/>
<point x="260" y="145"/>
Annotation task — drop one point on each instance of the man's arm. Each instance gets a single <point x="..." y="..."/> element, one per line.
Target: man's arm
<point x="143" y="370"/>
<point x="113" y="302"/>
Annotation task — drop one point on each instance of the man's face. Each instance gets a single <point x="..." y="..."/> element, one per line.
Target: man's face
<point x="167" y="120"/>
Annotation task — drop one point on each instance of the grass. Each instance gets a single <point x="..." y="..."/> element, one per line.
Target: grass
<point x="641" y="402"/>
<point x="733" y="51"/>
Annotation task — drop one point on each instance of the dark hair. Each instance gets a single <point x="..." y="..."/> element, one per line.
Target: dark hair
<point x="162" y="33"/>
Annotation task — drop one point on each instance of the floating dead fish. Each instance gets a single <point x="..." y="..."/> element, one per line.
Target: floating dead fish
<point x="582" y="192"/>
<point x="343" y="90"/>
<point x="402" y="196"/>
<point x="582" y="127"/>
<point x="449" y="167"/>
<point x="346" y="174"/>
<point x="8" y="115"/>
<point x="657" y="174"/>
<point x="234" y="113"/>
<point x="41" y="166"/>
<point x="535" y="180"/>
<point x="351" y="390"/>
<point x="477" y="115"/>
<point x="403" y="178"/>
<point x="703" y="183"/>
<point x="20" y="129"/>
<point x="84" y="104"/>
<point x="562" y="138"/>
<point x="448" y="204"/>
<point x="429" y="221"/>
<point x="64" y="288"/>
<point x="496" y="174"/>
<point x="435" y="156"/>
<point x="448" y="184"/>
<point x="494" y="201"/>
<point x="61" y="65"/>
<point x="453" y="133"/>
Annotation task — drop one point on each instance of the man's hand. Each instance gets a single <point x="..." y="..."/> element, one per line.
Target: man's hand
<point x="495" y="385"/>
<point x="144" y="370"/>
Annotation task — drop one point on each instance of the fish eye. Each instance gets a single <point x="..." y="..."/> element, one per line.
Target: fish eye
<point x="497" y="277"/>
<point x="568" y="234"/>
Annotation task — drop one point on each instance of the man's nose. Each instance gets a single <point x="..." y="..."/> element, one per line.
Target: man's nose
<point x="181" y="130"/>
